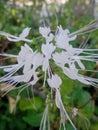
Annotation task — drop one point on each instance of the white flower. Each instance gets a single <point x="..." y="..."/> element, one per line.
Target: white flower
<point x="29" y="77"/>
<point x="22" y="36"/>
<point x="37" y="60"/>
<point x="60" y="58"/>
<point x="71" y="56"/>
<point x="29" y="58"/>
<point x="25" y="57"/>
<point x="48" y="49"/>
<point x="55" y="81"/>
<point x="62" y="38"/>
<point x="72" y="72"/>
<point x="67" y="60"/>
<point x="25" y="53"/>
<point x="28" y="62"/>
<point x="46" y="33"/>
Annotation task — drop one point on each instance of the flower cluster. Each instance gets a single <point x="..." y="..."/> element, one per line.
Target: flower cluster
<point x="58" y="50"/>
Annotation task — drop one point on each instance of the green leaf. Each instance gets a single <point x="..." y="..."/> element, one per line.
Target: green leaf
<point x="33" y="119"/>
<point x="94" y="126"/>
<point x="81" y="98"/>
<point x="33" y="103"/>
<point x="85" y="99"/>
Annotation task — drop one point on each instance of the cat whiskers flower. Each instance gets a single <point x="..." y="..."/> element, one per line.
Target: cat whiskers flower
<point x="22" y="36"/>
<point x="56" y="50"/>
<point x="27" y="62"/>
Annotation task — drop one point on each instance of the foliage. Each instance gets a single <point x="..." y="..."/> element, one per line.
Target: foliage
<point x="29" y="107"/>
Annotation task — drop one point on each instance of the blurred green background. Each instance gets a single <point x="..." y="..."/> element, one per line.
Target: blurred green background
<point x="15" y="15"/>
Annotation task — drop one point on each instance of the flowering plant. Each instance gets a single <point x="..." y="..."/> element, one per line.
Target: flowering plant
<point x="56" y="51"/>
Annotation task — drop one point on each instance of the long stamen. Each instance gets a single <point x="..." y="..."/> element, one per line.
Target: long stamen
<point x="85" y="119"/>
<point x="7" y="66"/>
<point x="83" y="45"/>
<point x="13" y="71"/>
<point x="8" y="55"/>
<point x="13" y="38"/>
<point x="62" y="109"/>
<point x="89" y="28"/>
<point x="45" y="120"/>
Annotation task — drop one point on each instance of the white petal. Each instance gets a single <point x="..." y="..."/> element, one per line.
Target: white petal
<point x="14" y="38"/>
<point x="44" y="31"/>
<point x="27" y="47"/>
<point x="25" y="33"/>
<point x="70" y="73"/>
<point x="47" y="49"/>
<point x="26" y="53"/>
<point x="60" y="58"/>
<point x="27" y="66"/>
<point x="35" y="78"/>
<point x="63" y="39"/>
<point x="37" y="60"/>
<point x="55" y="81"/>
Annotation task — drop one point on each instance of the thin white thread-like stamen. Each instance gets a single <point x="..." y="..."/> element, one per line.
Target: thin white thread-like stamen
<point x="62" y="109"/>
<point x="33" y="104"/>
<point x="14" y="38"/>
<point x="45" y="74"/>
<point x="45" y="120"/>
<point x="13" y="71"/>
<point x="84" y="118"/>
<point x="83" y="45"/>
<point x="7" y="66"/>
<point x="89" y="28"/>
<point x="8" y="55"/>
